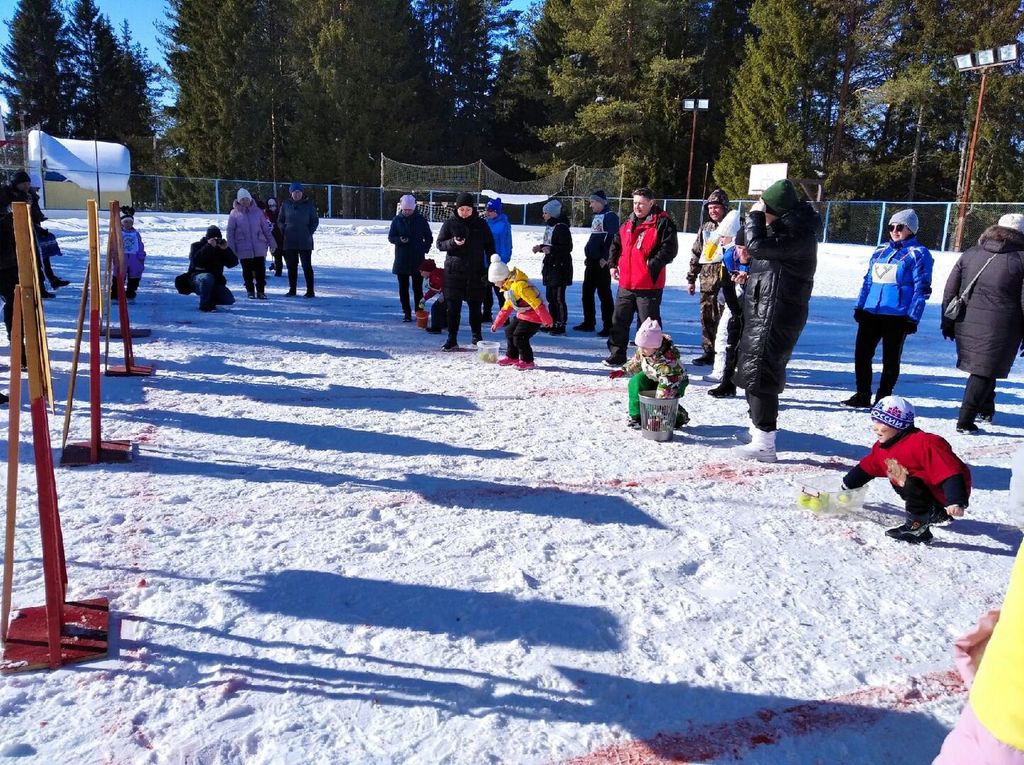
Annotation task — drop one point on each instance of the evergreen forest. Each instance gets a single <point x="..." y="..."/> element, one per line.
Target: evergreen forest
<point x="862" y="94"/>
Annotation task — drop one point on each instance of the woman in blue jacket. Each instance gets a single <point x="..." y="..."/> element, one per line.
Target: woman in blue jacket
<point x="501" y="230"/>
<point x="896" y="287"/>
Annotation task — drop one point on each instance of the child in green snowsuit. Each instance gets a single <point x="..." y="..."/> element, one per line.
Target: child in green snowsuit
<point x="656" y="366"/>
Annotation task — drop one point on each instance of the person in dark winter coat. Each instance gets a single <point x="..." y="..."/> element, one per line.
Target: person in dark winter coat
<point x="207" y="260"/>
<point x="412" y="237"/>
<point x="896" y="287"/>
<point x="20" y="190"/>
<point x="597" y="276"/>
<point x="641" y="249"/>
<point x="272" y="211"/>
<point x="782" y="250"/>
<point x="706" y="264"/>
<point x="298" y="221"/>
<point x="989" y="336"/>
<point x="556" y="268"/>
<point x="465" y="239"/>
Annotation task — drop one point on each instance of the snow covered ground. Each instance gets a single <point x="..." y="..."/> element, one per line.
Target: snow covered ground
<point x="337" y="544"/>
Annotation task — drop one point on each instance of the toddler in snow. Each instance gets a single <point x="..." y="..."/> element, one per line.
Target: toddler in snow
<point x="656" y="366"/>
<point x="522" y="298"/>
<point x="134" y="255"/>
<point x="433" y="277"/>
<point x="933" y="482"/>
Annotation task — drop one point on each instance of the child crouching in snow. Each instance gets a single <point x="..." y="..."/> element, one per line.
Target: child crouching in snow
<point x="656" y="366"/>
<point x="531" y="314"/>
<point x="922" y="468"/>
<point x="434" y="279"/>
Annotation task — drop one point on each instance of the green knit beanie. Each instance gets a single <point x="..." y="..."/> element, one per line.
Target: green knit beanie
<point x="780" y="197"/>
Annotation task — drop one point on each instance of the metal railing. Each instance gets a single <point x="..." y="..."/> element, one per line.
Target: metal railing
<point x="843" y="222"/>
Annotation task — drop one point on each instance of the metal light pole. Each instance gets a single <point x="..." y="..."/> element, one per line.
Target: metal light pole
<point x="692" y="105"/>
<point x="983" y="60"/>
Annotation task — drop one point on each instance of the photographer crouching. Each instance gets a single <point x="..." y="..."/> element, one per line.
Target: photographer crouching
<point x="206" y="263"/>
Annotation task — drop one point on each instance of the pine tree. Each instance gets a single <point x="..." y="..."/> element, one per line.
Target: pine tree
<point x="463" y="39"/>
<point x="34" y="80"/>
<point x="96" y="63"/>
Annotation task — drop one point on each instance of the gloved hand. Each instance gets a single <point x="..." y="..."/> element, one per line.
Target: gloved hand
<point x="910" y="327"/>
<point x="615" y="374"/>
<point x="495" y="327"/>
<point x="858" y="314"/>
<point x="948" y="329"/>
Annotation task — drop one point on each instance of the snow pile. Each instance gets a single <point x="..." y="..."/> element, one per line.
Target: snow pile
<point x="337" y="544"/>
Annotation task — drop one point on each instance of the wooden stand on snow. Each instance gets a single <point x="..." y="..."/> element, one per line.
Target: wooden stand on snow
<point x="115" y="254"/>
<point x="58" y="632"/>
<point x="94" y="450"/>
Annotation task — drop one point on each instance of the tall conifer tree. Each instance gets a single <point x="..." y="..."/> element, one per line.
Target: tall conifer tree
<point x="34" y="79"/>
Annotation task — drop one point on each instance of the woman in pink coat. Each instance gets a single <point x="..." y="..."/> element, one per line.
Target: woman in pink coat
<point x="250" y="235"/>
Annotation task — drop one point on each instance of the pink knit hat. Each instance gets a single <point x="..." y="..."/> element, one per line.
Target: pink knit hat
<point x="649" y="335"/>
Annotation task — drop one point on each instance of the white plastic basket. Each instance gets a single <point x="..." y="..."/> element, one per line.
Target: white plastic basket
<point x="658" y="417"/>
<point x="487" y="351"/>
<point x="823" y="494"/>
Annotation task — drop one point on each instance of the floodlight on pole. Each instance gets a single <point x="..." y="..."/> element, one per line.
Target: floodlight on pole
<point x="983" y="60"/>
<point x="692" y="105"/>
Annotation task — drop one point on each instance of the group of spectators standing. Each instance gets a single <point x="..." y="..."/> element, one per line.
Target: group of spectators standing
<point x="255" y="228"/>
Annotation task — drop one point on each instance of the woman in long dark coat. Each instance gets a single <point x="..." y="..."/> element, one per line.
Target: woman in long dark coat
<point x="988" y="337"/>
<point x="782" y="249"/>
<point x="467" y="240"/>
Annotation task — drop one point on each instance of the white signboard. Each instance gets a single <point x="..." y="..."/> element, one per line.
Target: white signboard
<point x="763" y="176"/>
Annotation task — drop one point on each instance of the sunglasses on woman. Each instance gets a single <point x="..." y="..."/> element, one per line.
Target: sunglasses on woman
<point x="896" y="227"/>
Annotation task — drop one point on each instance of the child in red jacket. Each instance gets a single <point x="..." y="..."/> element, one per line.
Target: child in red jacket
<point x="433" y="277"/>
<point x="934" y="483"/>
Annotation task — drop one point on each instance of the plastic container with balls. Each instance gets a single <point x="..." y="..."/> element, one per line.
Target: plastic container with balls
<point x="487" y="351"/>
<point x="824" y="494"/>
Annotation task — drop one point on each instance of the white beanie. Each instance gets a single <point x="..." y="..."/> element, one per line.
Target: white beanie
<point x="894" y="411"/>
<point x="408" y="202"/>
<point x="243" y="194"/>
<point x="907" y="217"/>
<point x="553" y="208"/>
<point x="1014" y="221"/>
<point x="729" y="225"/>
<point x="499" y="271"/>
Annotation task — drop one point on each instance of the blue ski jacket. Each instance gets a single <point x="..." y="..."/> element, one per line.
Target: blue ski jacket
<point x="898" y="281"/>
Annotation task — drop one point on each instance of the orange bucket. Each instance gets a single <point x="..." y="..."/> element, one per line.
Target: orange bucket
<point x="422" y="317"/>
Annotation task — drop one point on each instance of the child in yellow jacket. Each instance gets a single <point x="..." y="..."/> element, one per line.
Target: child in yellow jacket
<point x="522" y="299"/>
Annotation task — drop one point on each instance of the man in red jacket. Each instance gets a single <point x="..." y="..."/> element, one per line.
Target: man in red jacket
<point x="644" y="245"/>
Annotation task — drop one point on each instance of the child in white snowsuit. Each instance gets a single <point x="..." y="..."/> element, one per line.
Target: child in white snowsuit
<point x="655" y="366"/>
<point x="922" y="468"/>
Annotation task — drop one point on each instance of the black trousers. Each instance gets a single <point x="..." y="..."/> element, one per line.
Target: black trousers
<point x="494" y="292"/>
<point x="979" y="398"/>
<point x="732" y="340"/>
<point x="8" y="281"/>
<point x="254" y="271"/>
<point x="292" y="259"/>
<point x="892" y="332"/>
<point x="278" y="255"/>
<point x="517" y="338"/>
<point x="455" y="317"/>
<point x="597" y="279"/>
<point x="403" y="291"/>
<point x="919" y="501"/>
<point x="557" y="305"/>
<point x="764" y="410"/>
<point x="646" y="303"/>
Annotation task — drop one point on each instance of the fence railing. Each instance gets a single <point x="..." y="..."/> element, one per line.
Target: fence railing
<point x="843" y="222"/>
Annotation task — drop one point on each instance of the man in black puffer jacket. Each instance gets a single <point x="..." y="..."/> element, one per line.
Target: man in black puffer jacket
<point x="467" y="241"/>
<point x="782" y="249"/>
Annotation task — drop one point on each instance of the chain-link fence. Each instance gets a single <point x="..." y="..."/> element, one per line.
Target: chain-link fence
<point x="843" y="222"/>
